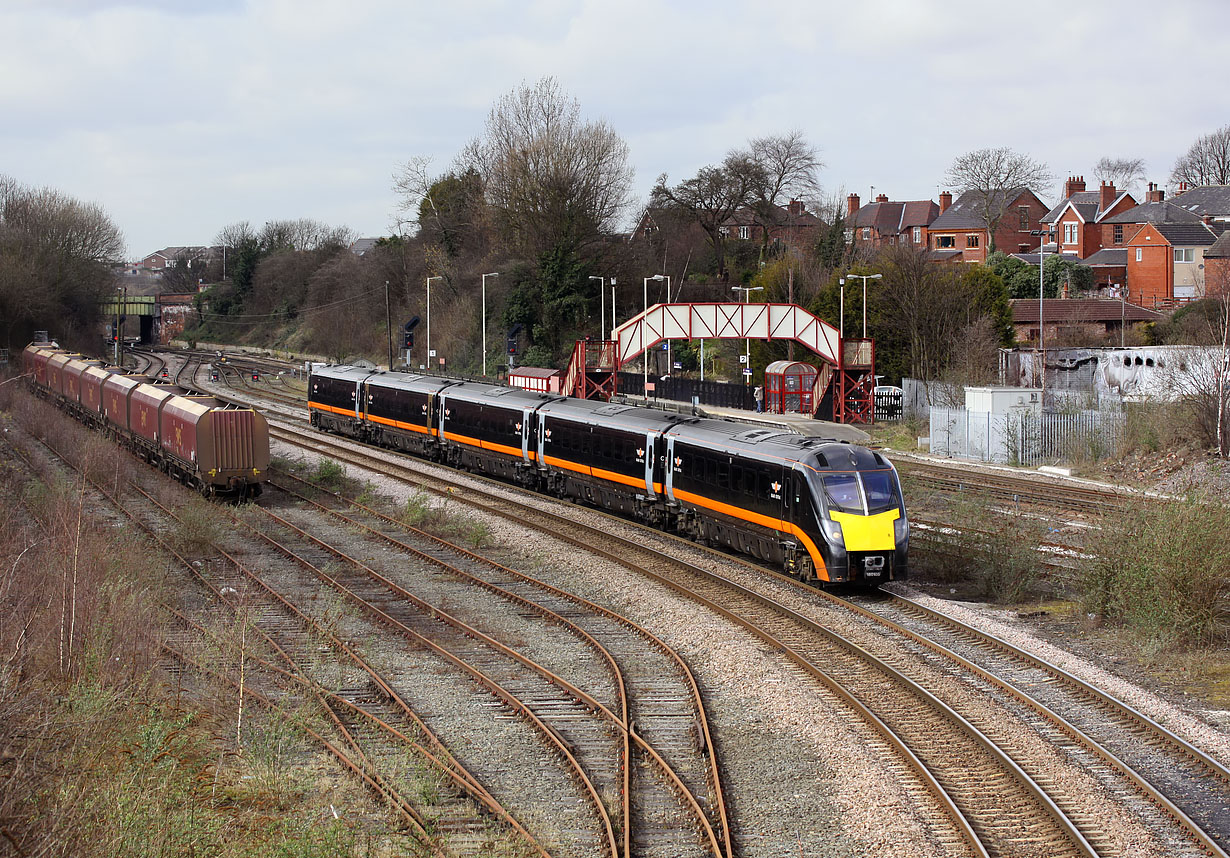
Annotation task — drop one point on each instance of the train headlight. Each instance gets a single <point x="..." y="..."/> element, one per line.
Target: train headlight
<point x="832" y="531"/>
<point x="901" y="529"/>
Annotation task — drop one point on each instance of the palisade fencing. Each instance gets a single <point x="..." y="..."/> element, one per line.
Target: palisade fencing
<point x="1022" y="438"/>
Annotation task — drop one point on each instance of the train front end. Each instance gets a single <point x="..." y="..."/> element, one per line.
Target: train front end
<point x="861" y="515"/>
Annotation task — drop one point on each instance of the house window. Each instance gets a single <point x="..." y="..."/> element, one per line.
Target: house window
<point x="745" y="232"/>
<point x="917" y="235"/>
<point x="724" y="231"/>
<point x="849" y="236"/>
<point x="945" y="241"/>
<point x="866" y="233"/>
<point x="1138" y="250"/>
<point x="1118" y="233"/>
<point x="1185" y="254"/>
<point x="971" y="240"/>
<point x="1023" y="211"/>
<point x="1069" y="233"/>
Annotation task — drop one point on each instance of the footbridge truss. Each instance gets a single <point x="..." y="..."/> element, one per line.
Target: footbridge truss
<point x="845" y="385"/>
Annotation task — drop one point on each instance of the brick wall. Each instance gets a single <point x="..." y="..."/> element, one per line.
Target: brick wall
<point x="1152" y="277"/>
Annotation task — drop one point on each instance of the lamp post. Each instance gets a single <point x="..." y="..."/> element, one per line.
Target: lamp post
<point x="1043" y="235"/>
<point x="644" y="319"/>
<point x="602" y="301"/>
<point x="388" y="323"/>
<point x="864" y="278"/>
<point x="747" y="343"/>
<point x="485" y="276"/>
<point x="429" y="279"/>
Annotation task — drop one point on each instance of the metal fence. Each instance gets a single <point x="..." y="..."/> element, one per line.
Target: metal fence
<point x="1026" y="439"/>
<point x="716" y="393"/>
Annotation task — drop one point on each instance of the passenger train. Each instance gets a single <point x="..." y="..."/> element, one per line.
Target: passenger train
<point x="823" y="511"/>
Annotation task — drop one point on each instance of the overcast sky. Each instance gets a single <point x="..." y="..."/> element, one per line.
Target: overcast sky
<point x="182" y="117"/>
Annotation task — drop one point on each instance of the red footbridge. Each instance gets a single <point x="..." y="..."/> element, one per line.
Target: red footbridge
<point x="844" y="389"/>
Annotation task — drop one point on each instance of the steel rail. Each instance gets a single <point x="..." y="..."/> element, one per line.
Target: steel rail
<point x="713" y="774"/>
<point x="462" y="777"/>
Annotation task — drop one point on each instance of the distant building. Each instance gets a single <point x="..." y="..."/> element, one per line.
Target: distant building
<point x="886" y="222"/>
<point x="960" y="234"/>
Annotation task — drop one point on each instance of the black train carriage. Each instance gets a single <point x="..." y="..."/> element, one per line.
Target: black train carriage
<point x="488" y="428"/>
<point x="335" y="399"/>
<point x="402" y="411"/>
<point x="823" y="510"/>
<point x="609" y="455"/>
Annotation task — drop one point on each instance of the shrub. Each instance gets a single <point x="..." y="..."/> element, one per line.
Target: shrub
<point x="1163" y="570"/>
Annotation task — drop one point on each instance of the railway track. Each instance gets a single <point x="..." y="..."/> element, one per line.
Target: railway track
<point x="1044" y="813"/>
<point x="674" y="775"/>
<point x="365" y="723"/>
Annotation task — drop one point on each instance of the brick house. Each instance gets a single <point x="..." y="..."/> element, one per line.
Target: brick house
<point x="1217" y="266"/>
<point x="885" y="222"/>
<point x="169" y="257"/>
<point x="1076" y="319"/>
<point x="960" y="233"/>
<point x="792" y="225"/>
<point x="1166" y="261"/>
<point x="1076" y="223"/>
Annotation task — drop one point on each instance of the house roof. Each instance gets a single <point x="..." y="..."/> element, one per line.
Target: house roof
<point x="1025" y="310"/>
<point x="1206" y="199"/>
<point x="1086" y="204"/>
<point x="1189" y="234"/>
<point x="1116" y="256"/>
<point x="891" y="218"/>
<point x="1162" y="212"/>
<point x="1219" y="249"/>
<point x="361" y="246"/>
<point x="966" y="212"/>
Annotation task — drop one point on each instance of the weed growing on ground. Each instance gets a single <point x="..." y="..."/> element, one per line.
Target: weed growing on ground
<point x="993" y="549"/>
<point x="1163" y="569"/>
<point x="328" y="474"/>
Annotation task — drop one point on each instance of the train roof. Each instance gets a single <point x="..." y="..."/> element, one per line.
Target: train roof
<point x="496" y="394"/>
<point x="343" y="372"/>
<point x="760" y="442"/>
<point x="599" y="413"/>
<point x="409" y="381"/>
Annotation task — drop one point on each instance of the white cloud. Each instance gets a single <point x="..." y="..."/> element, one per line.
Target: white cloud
<point x="180" y="118"/>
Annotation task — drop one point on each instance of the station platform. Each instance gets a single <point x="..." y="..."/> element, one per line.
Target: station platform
<point x="799" y="424"/>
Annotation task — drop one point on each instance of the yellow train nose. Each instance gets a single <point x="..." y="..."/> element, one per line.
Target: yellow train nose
<point x="868" y="532"/>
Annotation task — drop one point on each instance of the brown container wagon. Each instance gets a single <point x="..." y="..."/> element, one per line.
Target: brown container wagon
<point x="221" y="449"/>
<point x="92" y="379"/>
<point x="116" y="390"/>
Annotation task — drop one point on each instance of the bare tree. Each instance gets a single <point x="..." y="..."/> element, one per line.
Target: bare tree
<point x="55" y="253"/>
<point x="1206" y="162"/>
<point x="551" y="179"/>
<point x="992" y="174"/>
<point x="1124" y="173"/>
<point x="712" y="196"/>
<point x="789" y="165"/>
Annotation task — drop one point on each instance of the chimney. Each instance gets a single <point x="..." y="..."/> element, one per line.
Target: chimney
<point x="796" y="208"/>
<point x="1075" y="184"/>
<point x="882" y="198"/>
<point x="851" y="206"/>
<point x="945" y="201"/>
<point x="1106" y="195"/>
<point x="1183" y="186"/>
<point x="1208" y="219"/>
<point x="1154" y="194"/>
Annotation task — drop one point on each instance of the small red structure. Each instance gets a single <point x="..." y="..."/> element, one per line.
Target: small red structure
<point x="789" y="386"/>
<point x="536" y="379"/>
